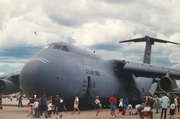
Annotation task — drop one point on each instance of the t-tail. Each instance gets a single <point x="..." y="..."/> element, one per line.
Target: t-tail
<point x="149" y="42"/>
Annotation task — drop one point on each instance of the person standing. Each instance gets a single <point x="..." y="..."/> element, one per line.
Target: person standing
<point x="61" y="108"/>
<point x="113" y="102"/>
<point x="156" y="101"/>
<point x="176" y="104"/>
<point x="120" y="106"/>
<point x="172" y="109"/>
<point x="164" y="105"/>
<point x="97" y="106"/>
<point x="151" y="102"/>
<point x="1" y="94"/>
<point x="43" y="104"/>
<point x="20" y="101"/>
<point x="76" y="104"/>
<point x="159" y="103"/>
<point x="1" y="107"/>
<point x="56" y="102"/>
<point x="50" y="107"/>
<point x="178" y="100"/>
<point x="126" y="103"/>
<point x="36" y="108"/>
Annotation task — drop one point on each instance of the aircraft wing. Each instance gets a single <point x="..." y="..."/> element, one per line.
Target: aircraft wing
<point x="167" y="76"/>
<point x="148" y="70"/>
<point x="10" y="74"/>
<point x="9" y="83"/>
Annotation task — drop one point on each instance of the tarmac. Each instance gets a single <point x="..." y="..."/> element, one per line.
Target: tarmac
<point x="12" y="111"/>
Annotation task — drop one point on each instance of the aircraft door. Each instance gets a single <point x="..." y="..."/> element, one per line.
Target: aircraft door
<point x="89" y="82"/>
<point x="90" y="91"/>
<point x="91" y="85"/>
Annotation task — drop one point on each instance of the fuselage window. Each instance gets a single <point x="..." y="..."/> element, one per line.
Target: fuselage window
<point x="65" y="48"/>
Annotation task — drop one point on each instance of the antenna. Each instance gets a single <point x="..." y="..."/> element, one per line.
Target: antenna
<point x="149" y="42"/>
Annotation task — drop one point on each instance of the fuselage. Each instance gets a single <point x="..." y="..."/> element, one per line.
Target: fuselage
<point x="67" y="70"/>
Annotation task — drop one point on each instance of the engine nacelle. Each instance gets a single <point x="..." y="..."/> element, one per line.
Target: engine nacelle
<point x="166" y="84"/>
<point x="8" y="87"/>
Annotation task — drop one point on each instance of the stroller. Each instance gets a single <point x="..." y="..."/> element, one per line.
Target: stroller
<point x="146" y="113"/>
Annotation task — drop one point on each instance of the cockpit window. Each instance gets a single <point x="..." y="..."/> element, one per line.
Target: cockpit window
<point x="57" y="47"/>
<point x="60" y="47"/>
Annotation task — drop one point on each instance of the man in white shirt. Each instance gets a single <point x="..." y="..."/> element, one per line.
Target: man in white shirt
<point x="164" y="105"/>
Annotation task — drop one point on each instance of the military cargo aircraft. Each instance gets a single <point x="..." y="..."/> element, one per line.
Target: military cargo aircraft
<point x="64" y="69"/>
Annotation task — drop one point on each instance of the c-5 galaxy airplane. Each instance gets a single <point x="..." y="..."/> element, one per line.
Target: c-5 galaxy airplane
<point x="67" y="70"/>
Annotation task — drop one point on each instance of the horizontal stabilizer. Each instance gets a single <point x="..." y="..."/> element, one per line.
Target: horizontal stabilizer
<point x="149" y="41"/>
<point x="143" y="39"/>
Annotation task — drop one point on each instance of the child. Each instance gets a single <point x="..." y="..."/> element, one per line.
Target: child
<point x="172" y="109"/>
<point x="50" y="108"/>
<point x="129" y="109"/>
<point x="30" y="110"/>
<point x="36" y="108"/>
<point x="97" y="102"/>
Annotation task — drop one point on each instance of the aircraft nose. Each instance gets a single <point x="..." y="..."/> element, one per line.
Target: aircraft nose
<point x="29" y="78"/>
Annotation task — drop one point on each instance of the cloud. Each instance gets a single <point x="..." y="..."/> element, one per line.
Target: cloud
<point x="108" y="32"/>
<point x="96" y="25"/>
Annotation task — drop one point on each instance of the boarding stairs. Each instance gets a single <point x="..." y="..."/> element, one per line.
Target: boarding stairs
<point x="91" y="97"/>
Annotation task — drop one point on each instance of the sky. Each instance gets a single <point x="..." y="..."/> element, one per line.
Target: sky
<point x="96" y="25"/>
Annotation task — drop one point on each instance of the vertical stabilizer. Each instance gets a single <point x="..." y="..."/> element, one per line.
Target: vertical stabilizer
<point x="149" y="42"/>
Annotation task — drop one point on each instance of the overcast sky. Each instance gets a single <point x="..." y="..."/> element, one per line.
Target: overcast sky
<point x="93" y="24"/>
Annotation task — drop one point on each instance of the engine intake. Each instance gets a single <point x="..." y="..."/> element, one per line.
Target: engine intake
<point x="8" y="87"/>
<point x="165" y="83"/>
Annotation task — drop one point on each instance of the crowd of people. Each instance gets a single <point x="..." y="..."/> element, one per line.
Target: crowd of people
<point x="39" y="106"/>
<point x="160" y="104"/>
<point x="47" y="105"/>
<point x="44" y="106"/>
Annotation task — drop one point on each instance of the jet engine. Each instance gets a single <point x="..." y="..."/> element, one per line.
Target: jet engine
<point x="7" y="86"/>
<point x="167" y="84"/>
